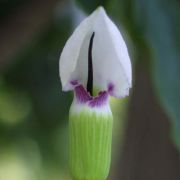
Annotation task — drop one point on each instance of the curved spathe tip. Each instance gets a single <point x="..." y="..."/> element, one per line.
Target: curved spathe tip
<point x="111" y="62"/>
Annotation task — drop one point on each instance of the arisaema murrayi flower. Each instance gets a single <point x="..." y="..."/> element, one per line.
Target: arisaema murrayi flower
<point x="94" y="59"/>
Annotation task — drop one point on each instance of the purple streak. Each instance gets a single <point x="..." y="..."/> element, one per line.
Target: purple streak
<point x="110" y="88"/>
<point x="99" y="100"/>
<point x="83" y="96"/>
<point x="74" y="82"/>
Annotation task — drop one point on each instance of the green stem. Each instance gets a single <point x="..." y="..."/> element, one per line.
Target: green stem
<point x="90" y="145"/>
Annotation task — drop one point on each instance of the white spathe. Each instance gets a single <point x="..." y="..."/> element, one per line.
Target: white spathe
<point x="111" y="62"/>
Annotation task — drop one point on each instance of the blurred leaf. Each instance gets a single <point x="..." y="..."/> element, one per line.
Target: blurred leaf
<point x="36" y="72"/>
<point x="20" y="160"/>
<point x="7" y="8"/>
<point x="156" y="23"/>
<point x="161" y="19"/>
<point x="14" y="107"/>
<point x="91" y="5"/>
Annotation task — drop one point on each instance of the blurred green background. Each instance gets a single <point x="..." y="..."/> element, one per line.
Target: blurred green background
<point x="34" y="110"/>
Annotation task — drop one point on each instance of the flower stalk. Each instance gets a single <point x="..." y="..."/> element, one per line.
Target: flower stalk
<point x="90" y="145"/>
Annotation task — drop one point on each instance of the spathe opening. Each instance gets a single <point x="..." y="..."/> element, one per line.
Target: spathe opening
<point x="90" y="66"/>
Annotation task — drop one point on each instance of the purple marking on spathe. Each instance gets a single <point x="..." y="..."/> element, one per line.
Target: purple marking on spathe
<point x="110" y="88"/>
<point x="84" y="97"/>
<point x="74" y="82"/>
<point x="81" y="94"/>
<point x="99" y="100"/>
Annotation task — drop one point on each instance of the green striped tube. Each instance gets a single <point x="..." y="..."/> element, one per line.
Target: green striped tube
<point x="90" y="136"/>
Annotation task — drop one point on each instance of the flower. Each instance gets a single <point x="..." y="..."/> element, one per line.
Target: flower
<point x="95" y="58"/>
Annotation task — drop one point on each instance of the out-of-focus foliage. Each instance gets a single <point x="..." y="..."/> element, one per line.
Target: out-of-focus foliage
<point x="163" y="36"/>
<point x="91" y="5"/>
<point x="7" y="6"/>
<point x="158" y="23"/>
<point x="33" y="107"/>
